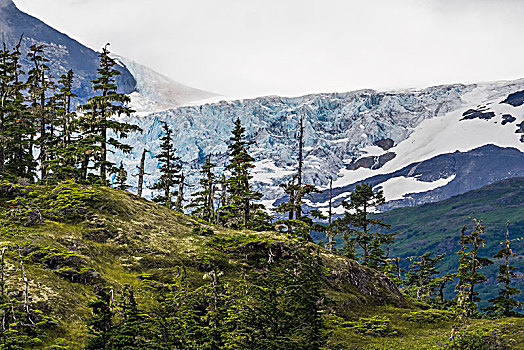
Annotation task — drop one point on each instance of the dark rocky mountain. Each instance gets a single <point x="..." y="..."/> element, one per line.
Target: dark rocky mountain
<point x="63" y="52"/>
<point x="467" y="170"/>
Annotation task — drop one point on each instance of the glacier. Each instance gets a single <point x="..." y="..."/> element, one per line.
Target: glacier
<point x="340" y="128"/>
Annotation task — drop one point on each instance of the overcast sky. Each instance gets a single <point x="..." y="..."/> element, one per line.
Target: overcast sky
<point x="293" y="47"/>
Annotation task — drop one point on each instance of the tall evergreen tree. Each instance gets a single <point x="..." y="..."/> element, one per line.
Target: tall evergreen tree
<point x="170" y="170"/>
<point x="299" y="194"/>
<point x="96" y="123"/>
<point x="141" y="172"/>
<point x="38" y="84"/>
<point x="241" y="211"/>
<point x="357" y="226"/>
<point x="101" y="322"/>
<point x="505" y="303"/>
<point x="64" y="154"/>
<point x="283" y="307"/>
<point x="16" y="122"/>
<point x="470" y="263"/>
<point x="298" y="222"/>
<point x="121" y="178"/>
<point x="203" y="203"/>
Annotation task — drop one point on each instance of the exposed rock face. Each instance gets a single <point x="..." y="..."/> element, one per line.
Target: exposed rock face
<point x="515" y="99"/>
<point x="470" y="170"/>
<point x="477" y="114"/>
<point x="346" y="276"/>
<point x="520" y="128"/>
<point x="385" y="144"/>
<point x="375" y="162"/>
<point x="367" y="286"/>
<point x="63" y="52"/>
<point x="508" y="118"/>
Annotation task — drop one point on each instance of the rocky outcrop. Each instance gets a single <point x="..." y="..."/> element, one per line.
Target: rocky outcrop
<point x="375" y="162"/>
<point x="347" y="277"/>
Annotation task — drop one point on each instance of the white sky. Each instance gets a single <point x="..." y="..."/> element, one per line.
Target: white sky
<point x="293" y="47"/>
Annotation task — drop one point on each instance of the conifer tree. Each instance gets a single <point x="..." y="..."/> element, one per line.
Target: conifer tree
<point x="203" y="201"/>
<point x="297" y="222"/>
<point x="170" y="170"/>
<point x="505" y="303"/>
<point x="283" y="305"/>
<point x="420" y="278"/>
<point x="16" y="121"/>
<point x="240" y="210"/>
<point x="330" y="231"/>
<point x="64" y="154"/>
<point x="38" y="83"/>
<point x="357" y="226"/>
<point x="132" y="329"/>
<point x="96" y="123"/>
<point x="7" y="93"/>
<point x="468" y="273"/>
<point x="223" y="199"/>
<point x="180" y="194"/>
<point x="121" y="178"/>
<point x="299" y="194"/>
<point x="101" y="322"/>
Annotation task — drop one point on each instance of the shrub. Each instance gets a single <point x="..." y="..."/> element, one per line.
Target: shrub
<point x="202" y="231"/>
<point x="375" y="326"/>
<point x="486" y="338"/>
<point x="428" y="316"/>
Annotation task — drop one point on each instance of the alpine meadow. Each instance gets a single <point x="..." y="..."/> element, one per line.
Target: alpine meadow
<point x="140" y="213"/>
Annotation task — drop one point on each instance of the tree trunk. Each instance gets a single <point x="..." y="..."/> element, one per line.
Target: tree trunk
<point x="330" y="215"/>
<point x="141" y="172"/>
<point x="180" y="196"/>
<point x="299" y="172"/>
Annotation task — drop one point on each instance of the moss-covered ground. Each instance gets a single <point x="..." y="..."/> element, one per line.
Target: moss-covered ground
<point x="124" y="239"/>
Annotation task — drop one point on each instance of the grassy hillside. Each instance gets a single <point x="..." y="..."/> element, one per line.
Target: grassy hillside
<point x="74" y="240"/>
<point x="436" y="227"/>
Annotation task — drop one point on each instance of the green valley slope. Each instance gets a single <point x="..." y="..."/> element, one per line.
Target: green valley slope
<point x="435" y="227"/>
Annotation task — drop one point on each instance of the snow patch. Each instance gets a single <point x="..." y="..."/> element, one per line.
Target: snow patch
<point x="397" y="187"/>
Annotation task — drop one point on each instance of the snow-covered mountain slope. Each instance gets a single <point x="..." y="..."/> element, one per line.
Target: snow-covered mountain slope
<point x="155" y="92"/>
<point x="342" y="131"/>
<point x="437" y="178"/>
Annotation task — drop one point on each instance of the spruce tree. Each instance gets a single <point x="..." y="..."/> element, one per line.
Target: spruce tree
<point x="141" y="172"/>
<point x="470" y="263"/>
<point x="505" y="303"/>
<point x="283" y="306"/>
<point x="97" y="123"/>
<point x="241" y="211"/>
<point x="38" y="84"/>
<point x="203" y="203"/>
<point x="179" y="203"/>
<point x="330" y="231"/>
<point x="170" y="170"/>
<point x="121" y="178"/>
<point x="299" y="194"/>
<point x="298" y="222"/>
<point x="357" y="226"/>
<point x="16" y="121"/>
<point x="64" y="154"/>
<point x="101" y="322"/>
<point x="420" y="277"/>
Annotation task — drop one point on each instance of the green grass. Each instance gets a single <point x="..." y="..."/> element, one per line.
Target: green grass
<point x="127" y="239"/>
